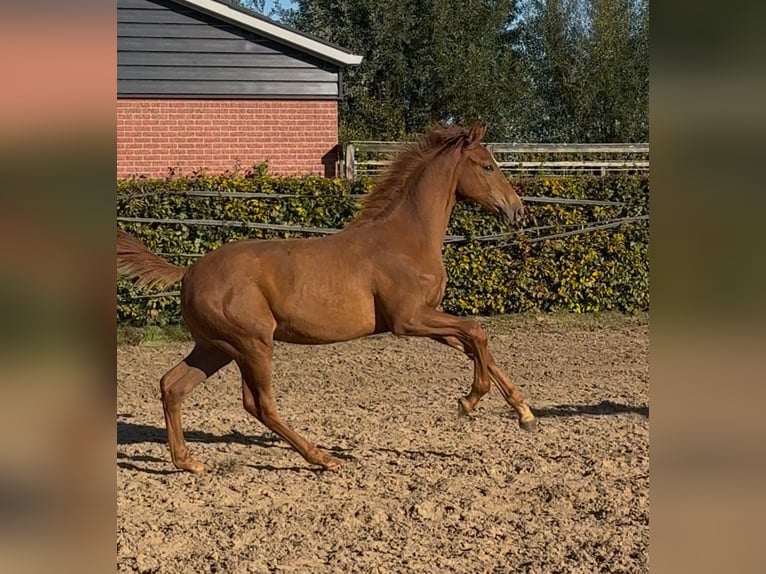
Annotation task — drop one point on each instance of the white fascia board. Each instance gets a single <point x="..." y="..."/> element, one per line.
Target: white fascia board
<point x="278" y="33"/>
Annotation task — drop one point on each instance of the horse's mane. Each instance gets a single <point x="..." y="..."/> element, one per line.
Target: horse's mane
<point x="400" y="176"/>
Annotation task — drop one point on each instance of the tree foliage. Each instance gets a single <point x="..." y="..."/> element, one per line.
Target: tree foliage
<point x="418" y="65"/>
<point x="586" y="66"/>
<point x="537" y="70"/>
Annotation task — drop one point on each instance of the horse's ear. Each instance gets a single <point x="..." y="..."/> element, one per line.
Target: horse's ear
<point x="476" y="134"/>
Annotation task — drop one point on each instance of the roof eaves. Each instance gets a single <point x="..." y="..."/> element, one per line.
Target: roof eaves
<point x="275" y="31"/>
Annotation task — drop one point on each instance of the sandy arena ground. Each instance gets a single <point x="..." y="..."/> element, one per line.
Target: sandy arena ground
<point x="423" y="489"/>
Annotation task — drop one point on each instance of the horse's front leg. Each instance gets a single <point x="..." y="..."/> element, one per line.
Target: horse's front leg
<point x="480" y="386"/>
<point x="510" y="392"/>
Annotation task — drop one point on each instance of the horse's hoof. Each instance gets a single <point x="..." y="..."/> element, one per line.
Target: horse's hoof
<point x="463" y="407"/>
<point x="330" y="463"/>
<point x="191" y="465"/>
<point x="529" y="425"/>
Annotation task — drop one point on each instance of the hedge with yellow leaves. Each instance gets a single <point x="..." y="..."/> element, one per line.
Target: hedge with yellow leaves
<point x="598" y="270"/>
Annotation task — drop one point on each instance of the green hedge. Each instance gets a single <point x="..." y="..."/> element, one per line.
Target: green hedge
<point x="598" y="270"/>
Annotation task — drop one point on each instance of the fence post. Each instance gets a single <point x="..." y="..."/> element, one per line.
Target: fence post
<point x="349" y="162"/>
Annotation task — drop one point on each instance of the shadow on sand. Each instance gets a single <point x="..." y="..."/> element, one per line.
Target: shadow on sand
<point x="602" y="408"/>
<point x="135" y="433"/>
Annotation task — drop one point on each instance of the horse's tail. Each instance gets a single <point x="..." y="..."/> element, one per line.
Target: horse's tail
<point x="149" y="270"/>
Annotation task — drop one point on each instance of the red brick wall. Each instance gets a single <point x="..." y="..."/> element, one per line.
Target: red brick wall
<point x="295" y="137"/>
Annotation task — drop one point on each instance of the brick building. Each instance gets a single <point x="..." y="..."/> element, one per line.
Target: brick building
<point x="202" y="84"/>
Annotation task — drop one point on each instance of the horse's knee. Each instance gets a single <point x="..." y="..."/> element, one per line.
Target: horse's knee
<point x="166" y="387"/>
<point x="178" y="382"/>
<point x="476" y="333"/>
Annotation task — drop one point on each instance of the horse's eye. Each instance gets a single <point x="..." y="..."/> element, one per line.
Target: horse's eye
<point x="489" y="167"/>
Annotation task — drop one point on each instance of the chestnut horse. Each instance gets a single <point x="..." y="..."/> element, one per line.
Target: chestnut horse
<point x="382" y="273"/>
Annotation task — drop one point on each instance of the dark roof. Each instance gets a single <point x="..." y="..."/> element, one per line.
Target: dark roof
<point x="237" y="15"/>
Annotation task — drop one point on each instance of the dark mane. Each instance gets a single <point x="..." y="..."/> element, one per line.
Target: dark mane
<point x="399" y="177"/>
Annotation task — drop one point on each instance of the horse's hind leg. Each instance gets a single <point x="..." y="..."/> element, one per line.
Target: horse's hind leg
<point x="258" y="400"/>
<point x="510" y="393"/>
<point x="175" y="385"/>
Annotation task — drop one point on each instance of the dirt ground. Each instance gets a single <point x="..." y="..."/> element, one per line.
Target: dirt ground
<point x="422" y="489"/>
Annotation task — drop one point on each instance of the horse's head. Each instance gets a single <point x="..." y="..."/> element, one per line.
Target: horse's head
<point x="480" y="179"/>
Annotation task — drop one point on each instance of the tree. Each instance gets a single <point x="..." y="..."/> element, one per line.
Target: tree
<point x="619" y="71"/>
<point x="424" y="61"/>
<point x="586" y="69"/>
<point x="536" y="70"/>
<point x="552" y="51"/>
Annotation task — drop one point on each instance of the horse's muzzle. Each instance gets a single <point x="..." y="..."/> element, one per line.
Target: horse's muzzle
<point x="513" y="214"/>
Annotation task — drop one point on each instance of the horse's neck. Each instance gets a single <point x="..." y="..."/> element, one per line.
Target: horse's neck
<point x="426" y="211"/>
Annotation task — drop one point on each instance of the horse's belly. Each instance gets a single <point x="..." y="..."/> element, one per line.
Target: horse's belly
<point x="325" y="319"/>
<point x="310" y="329"/>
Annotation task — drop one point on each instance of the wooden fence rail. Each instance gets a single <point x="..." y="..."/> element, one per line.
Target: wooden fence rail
<point x="278" y="196"/>
<point x="371" y="157"/>
<point x="500" y="238"/>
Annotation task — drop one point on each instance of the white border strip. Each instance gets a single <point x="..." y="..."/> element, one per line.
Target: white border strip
<point x="278" y="33"/>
